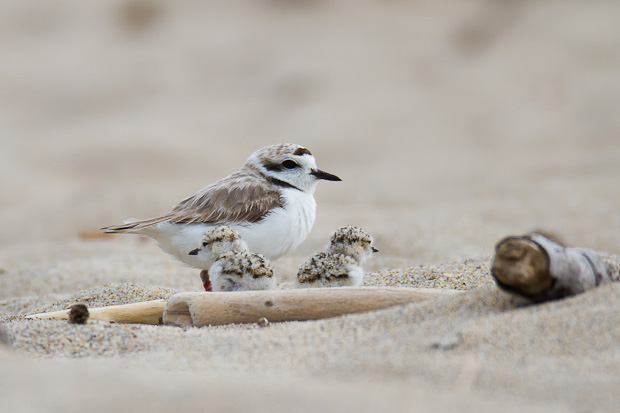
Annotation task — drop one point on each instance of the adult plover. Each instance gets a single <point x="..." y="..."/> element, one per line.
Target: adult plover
<point x="269" y="201"/>
<point x="233" y="267"/>
<point x="341" y="264"/>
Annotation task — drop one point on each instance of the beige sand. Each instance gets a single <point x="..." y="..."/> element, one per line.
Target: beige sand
<point x="452" y="125"/>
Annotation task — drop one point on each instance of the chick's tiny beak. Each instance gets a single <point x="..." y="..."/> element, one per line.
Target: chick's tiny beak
<point x="318" y="174"/>
<point x="374" y="249"/>
<point x="194" y="252"/>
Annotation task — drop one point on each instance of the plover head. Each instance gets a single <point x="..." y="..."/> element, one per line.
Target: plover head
<point x="353" y="242"/>
<point x="219" y="241"/>
<point x="288" y="164"/>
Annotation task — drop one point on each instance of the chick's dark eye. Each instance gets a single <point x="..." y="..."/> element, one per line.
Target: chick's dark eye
<point x="204" y="244"/>
<point x="288" y="164"/>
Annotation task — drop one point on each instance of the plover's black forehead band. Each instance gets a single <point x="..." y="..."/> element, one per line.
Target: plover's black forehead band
<point x="301" y="151"/>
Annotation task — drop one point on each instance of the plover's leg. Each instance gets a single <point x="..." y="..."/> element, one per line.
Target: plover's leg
<point x="206" y="281"/>
<point x="522" y="266"/>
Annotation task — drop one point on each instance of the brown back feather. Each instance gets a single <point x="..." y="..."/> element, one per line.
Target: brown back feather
<point x="243" y="197"/>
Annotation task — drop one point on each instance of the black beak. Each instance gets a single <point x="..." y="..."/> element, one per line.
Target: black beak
<point x="374" y="249"/>
<point x="324" y="175"/>
<point x="194" y="252"/>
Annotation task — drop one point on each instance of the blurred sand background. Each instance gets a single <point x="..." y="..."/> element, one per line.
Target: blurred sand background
<point x="452" y="124"/>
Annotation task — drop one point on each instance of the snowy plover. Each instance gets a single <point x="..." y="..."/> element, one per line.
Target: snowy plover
<point x="269" y="201"/>
<point x="341" y="264"/>
<point x="233" y="267"/>
<point x="215" y="242"/>
<point x="242" y="271"/>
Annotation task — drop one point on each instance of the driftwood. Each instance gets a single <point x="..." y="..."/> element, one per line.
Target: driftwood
<point x="541" y="269"/>
<point x="202" y="309"/>
<point x="146" y="312"/>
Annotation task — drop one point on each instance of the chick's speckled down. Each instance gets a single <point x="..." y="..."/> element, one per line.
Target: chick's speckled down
<point x="240" y="262"/>
<point x="325" y="266"/>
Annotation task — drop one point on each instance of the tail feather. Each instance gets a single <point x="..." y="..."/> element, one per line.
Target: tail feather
<point x="135" y="226"/>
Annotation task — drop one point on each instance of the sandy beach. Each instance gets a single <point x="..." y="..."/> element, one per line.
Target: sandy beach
<point x="452" y="124"/>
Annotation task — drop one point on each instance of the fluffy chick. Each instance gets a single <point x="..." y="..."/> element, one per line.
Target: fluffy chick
<point x="213" y="244"/>
<point x="242" y="271"/>
<point x="341" y="264"/>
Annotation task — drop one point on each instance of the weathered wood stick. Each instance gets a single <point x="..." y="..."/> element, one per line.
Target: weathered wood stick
<point x="203" y="309"/>
<point x="146" y="312"/>
<point x="541" y="269"/>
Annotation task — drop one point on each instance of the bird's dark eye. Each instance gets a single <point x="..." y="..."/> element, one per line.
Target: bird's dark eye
<point x="204" y="244"/>
<point x="288" y="164"/>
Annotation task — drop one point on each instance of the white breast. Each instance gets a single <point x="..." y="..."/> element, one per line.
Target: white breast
<point x="284" y="229"/>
